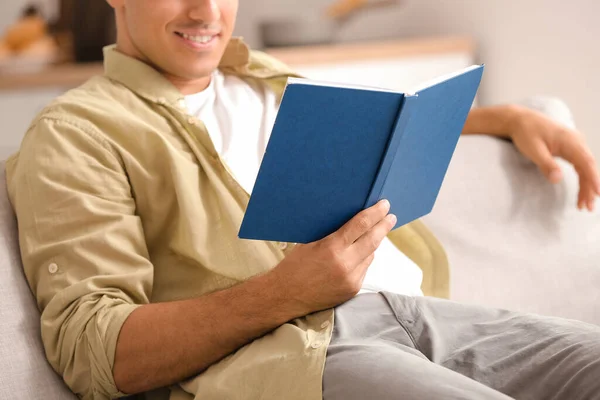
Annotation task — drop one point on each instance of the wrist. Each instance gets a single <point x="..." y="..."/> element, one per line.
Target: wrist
<point x="515" y="117"/>
<point x="279" y="293"/>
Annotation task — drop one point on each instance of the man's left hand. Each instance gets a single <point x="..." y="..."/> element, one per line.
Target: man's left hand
<point x="540" y="139"/>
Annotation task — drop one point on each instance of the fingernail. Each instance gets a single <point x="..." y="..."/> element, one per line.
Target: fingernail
<point x="392" y="218"/>
<point x="385" y="203"/>
<point x="555" y="176"/>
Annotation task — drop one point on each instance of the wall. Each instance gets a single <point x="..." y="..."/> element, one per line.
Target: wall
<point x="9" y="10"/>
<point x="530" y="47"/>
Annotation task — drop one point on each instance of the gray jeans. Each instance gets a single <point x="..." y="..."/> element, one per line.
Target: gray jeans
<point x="387" y="346"/>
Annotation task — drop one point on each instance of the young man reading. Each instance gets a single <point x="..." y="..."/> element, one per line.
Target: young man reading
<point x="129" y="192"/>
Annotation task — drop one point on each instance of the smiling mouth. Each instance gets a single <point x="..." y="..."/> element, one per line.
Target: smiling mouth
<point x="196" y="39"/>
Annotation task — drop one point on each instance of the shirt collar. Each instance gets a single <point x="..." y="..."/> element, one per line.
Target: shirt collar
<point x="146" y="81"/>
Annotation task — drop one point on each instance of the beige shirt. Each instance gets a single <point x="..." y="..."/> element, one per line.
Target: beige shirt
<point x="122" y="200"/>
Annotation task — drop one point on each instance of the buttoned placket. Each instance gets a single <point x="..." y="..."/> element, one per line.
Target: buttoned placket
<point x="320" y="338"/>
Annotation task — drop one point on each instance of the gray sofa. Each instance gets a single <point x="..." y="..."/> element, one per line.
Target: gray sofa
<point x="24" y="372"/>
<point x="513" y="241"/>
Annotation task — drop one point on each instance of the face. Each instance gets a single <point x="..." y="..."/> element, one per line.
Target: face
<point x="183" y="39"/>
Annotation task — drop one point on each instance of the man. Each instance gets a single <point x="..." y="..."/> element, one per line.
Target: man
<point x="129" y="194"/>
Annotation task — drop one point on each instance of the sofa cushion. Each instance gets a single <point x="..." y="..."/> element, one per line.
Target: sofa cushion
<point x="25" y="373"/>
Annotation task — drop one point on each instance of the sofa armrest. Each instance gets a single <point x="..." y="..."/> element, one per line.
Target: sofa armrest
<point x="513" y="239"/>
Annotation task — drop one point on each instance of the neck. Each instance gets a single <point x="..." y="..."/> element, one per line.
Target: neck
<point x="187" y="86"/>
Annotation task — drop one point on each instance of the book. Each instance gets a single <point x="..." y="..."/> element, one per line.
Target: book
<point x="337" y="149"/>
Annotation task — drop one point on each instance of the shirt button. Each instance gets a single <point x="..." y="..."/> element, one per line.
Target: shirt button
<point x="192" y="121"/>
<point x="325" y="325"/>
<point x="53" y="268"/>
<point x="162" y="101"/>
<point x="316" y="345"/>
<point x="283" y="245"/>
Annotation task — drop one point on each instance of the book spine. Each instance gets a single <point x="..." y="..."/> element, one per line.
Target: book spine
<point x="404" y="114"/>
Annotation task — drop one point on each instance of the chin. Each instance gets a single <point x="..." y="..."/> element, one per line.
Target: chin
<point x="190" y="69"/>
<point x="201" y="71"/>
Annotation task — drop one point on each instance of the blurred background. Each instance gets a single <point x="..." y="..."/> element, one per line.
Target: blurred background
<point x="530" y="47"/>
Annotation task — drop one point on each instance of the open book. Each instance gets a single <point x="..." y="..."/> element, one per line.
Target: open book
<point x="338" y="149"/>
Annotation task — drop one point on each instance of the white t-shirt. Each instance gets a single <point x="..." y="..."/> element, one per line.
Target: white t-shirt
<point x="239" y="119"/>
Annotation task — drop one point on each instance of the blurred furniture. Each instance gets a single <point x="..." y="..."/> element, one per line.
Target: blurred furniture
<point x="319" y="26"/>
<point x="399" y="65"/>
<point x="93" y="27"/>
<point x="27" y="45"/>
<point x="87" y="26"/>
<point x="65" y="15"/>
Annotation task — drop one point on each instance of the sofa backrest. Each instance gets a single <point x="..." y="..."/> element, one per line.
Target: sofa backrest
<point x="24" y="371"/>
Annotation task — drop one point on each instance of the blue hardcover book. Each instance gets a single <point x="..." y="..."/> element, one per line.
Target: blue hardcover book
<point x="336" y="150"/>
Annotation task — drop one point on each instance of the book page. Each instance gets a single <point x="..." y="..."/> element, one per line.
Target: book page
<point x="313" y="82"/>
<point x="443" y="78"/>
<point x="412" y="91"/>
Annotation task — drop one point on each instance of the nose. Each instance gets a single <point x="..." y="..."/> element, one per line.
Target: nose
<point x="206" y="11"/>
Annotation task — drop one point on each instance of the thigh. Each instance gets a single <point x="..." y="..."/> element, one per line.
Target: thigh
<point x="371" y="370"/>
<point x="372" y="356"/>
<point x="522" y="355"/>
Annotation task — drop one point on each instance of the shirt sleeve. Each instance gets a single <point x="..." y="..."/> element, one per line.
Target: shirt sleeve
<point x="83" y="248"/>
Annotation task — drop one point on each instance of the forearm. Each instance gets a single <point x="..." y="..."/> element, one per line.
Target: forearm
<point x="495" y="121"/>
<point x="161" y="344"/>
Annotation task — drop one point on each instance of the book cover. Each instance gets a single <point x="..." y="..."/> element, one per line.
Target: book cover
<point x="335" y="150"/>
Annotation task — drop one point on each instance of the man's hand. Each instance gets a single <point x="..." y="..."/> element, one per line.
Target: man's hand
<point x="329" y="272"/>
<point x="540" y="139"/>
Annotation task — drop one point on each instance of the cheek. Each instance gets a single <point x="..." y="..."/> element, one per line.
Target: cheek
<point x="147" y="22"/>
<point x="229" y="9"/>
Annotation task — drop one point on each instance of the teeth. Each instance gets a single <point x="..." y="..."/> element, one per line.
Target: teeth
<point x="197" y="39"/>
